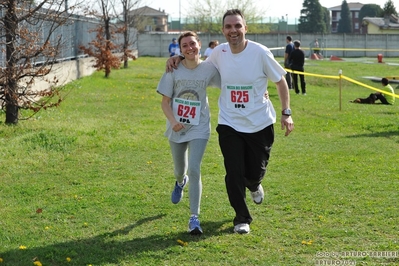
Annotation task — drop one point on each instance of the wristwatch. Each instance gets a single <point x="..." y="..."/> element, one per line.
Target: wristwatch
<point x="286" y="112"/>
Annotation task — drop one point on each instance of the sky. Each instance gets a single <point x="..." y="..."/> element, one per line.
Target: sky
<point x="278" y="8"/>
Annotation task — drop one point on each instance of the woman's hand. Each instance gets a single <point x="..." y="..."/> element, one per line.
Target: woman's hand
<point x="177" y="126"/>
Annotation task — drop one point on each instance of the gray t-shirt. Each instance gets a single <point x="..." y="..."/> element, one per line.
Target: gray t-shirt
<point x="187" y="89"/>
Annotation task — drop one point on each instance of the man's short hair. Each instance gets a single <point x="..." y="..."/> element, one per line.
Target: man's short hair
<point x="297" y="43"/>
<point x="233" y="12"/>
<point x="384" y="81"/>
<point x="289" y="38"/>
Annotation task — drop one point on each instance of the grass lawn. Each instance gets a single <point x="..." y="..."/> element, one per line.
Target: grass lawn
<point x="89" y="182"/>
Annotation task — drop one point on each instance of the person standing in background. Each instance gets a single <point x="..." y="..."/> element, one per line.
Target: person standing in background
<point x="297" y="59"/>
<point x="316" y="47"/>
<point x="288" y="49"/>
<point x="174" y="48"/>
<point x="208" y="51"/>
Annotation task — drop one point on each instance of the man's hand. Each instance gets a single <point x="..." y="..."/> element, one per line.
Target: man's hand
<point x="172" y="63"/>
<point x="287" y="123"/>
<point x="266" y="95"/>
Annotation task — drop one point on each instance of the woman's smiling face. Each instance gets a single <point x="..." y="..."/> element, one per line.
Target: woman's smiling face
<point x="189" y="46"/>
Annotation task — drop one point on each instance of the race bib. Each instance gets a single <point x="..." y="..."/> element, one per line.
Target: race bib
<point x="187" y="111"/>
<point x="240" y="96"/>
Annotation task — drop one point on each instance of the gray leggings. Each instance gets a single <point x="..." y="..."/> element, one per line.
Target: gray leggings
<point x="187" y="158"/>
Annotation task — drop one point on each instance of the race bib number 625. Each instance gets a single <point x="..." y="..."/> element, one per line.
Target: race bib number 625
<point x="240" y="96"/>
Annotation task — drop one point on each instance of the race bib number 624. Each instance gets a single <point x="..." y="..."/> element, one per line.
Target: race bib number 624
<point x="187" y="111"/>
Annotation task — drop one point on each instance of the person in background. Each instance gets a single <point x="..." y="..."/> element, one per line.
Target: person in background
<point x="384" y="98"/>
<point x="297" y="59"/>
<point x="288" y="49"/>
<point x="316" y="47"/>
<point x="185" y="105"/>
<point x="208" y="51"/>
<point x="174" y="48"/>
<point x="246" y="116"/>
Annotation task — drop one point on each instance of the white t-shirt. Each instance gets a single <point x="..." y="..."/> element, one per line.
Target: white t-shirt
<point x="208" y="51"/>
<point x="187" y="89"/>
<point x="242" y="104"/>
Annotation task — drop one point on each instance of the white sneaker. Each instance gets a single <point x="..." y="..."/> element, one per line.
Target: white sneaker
<point x="241" y="228"/>
<point x="258" y="195"/>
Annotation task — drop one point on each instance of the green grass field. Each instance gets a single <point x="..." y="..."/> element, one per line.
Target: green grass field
<point x="89" y="183"/>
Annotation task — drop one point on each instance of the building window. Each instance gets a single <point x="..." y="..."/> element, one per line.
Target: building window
<point x="356" y="14"/>
<point x="356" y="25"/>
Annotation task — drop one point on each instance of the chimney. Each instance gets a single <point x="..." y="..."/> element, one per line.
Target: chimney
<point x="386" y="21"/>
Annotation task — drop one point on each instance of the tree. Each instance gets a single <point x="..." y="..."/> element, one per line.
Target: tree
<point x="312" y="19"/>
<point x="327" y="19"/>
<point x="389" y="9"/>
<point x="127" y="6"/>
<point x="206" y="15"/>
<point x="370" y="10"/>
<point x="345" y="22"/>
<point x="29" y="35"/>
<point x="101" y="48"/>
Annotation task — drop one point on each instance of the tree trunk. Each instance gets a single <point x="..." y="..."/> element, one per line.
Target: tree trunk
<point x="107" y="47"/>
<point x="12" y="112"/>
<point x="125" y="48"/>
<point x="11" y="27"/>
<point x="126" y="37"/>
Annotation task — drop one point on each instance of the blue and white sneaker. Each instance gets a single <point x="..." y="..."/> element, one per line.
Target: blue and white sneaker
<point x="177" y="193"/>
<point x="194" y="227"/>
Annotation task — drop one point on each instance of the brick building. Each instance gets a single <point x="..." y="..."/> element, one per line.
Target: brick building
<point x="354" y="9"/>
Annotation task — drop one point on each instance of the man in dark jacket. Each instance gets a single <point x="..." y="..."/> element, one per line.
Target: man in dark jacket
<point x="297" y="59"/>
<point x="288" y="49"/>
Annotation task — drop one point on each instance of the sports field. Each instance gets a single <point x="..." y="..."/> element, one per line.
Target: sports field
<point x="89" y="183"/>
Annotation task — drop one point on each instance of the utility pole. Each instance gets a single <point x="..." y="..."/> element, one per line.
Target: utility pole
<point x="180" y="15"/>
<point x="286" y="26"/>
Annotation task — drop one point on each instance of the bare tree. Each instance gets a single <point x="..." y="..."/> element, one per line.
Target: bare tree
<point x="206" y="15"/>
<point x="28" y="35"/>
<point x="127" y="6"/>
